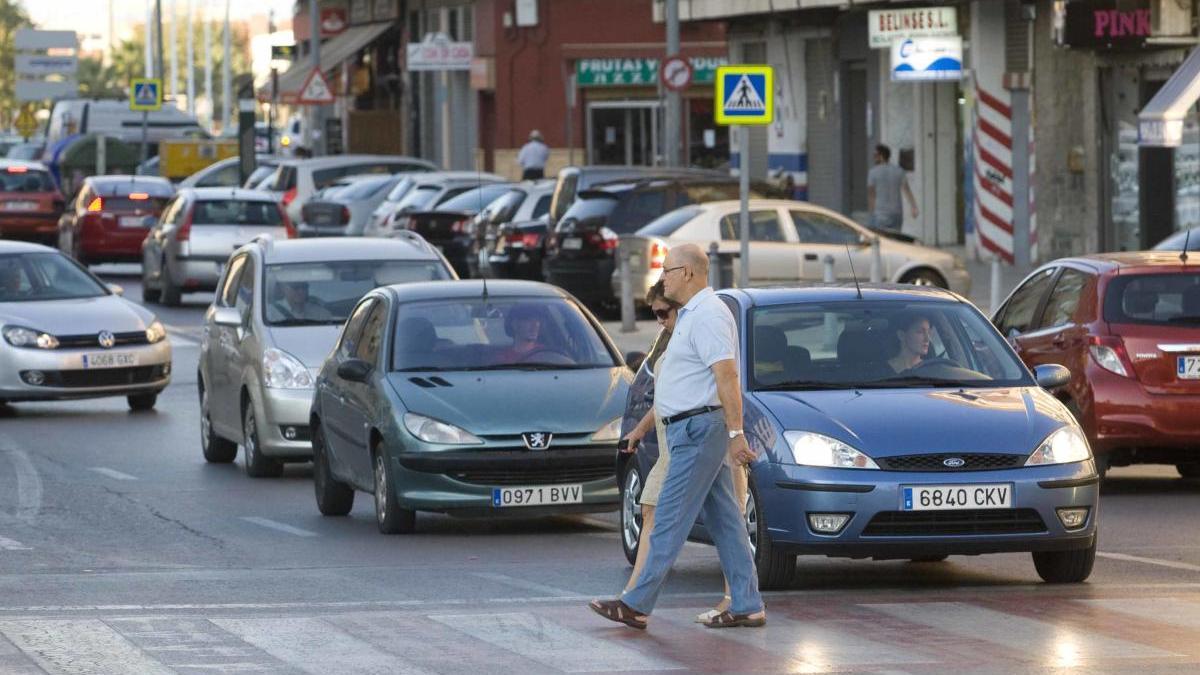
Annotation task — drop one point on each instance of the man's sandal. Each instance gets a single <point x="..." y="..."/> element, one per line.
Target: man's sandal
<point x="728" y="619"/>
<point x="705" y="617"/>
<point x="616" y="610"/>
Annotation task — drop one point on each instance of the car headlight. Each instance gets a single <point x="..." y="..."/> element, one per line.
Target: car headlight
<point x="19" y="336"/>
<point x="1061" y="447"/>
<point x="608" y="432"/>
<point x="809" y="449"/>
<point x="156" y="332"/>
<point x="284" y="371"/>
<point x="434" y="431"/>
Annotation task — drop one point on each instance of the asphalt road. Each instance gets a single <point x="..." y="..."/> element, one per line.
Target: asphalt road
<point x="122" y="551"/>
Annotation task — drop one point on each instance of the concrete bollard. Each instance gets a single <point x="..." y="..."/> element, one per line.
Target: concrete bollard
<point x="714" y="265"/>
<point x="996" y="295"/>
<point x="628" y="319"/>
<point x="876" y="262"/>
<point x="830" y="275"/>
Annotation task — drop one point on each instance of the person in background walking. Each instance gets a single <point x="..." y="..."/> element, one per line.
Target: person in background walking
<point x="533" y="156"/>
<point x="699" y="399"/>
<point x="885" y="181"/>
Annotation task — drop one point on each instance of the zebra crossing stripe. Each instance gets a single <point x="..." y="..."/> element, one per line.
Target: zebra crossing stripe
<point x="314" y="646"/>
<point x="1176" y="611"/>
<point x="79" y="646"/>
<point x="1057" y="644"/>
<point x="545" y="640"/>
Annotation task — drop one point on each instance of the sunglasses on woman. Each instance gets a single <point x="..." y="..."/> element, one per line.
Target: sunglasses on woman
<point x="662" y="314"/>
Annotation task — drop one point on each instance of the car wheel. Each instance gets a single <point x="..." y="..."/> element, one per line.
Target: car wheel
<point x="391" y="518"/>
<point x="924" y="277"/>
<point x="776" y="569"/>
<point x="1065" y="567"/>
<point x="631" y="511"/>
<point x="142" y="402"/>
<point x="217" y="450"/>
<point x="170" y="293"/>
<point x="257" y="465"/>
<point x="334" y="498"/>
<point x="1191" y="470"/>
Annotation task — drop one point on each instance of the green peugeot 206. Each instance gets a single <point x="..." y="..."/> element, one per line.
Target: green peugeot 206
<point x="473" y="398"/>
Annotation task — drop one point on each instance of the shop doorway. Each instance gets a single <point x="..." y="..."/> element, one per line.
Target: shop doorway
<point x="624" y="132"/>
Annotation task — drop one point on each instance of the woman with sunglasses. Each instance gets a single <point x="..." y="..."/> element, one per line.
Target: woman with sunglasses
<point x="665" y="312"/>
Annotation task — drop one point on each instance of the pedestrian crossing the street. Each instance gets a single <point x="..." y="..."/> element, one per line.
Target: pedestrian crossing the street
<point x="999" y="632"/>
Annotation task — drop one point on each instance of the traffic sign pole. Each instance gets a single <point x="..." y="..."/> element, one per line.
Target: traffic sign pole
<point x="744" y="196"/>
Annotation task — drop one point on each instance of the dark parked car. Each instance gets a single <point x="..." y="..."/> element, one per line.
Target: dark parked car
<point x="581" y="253"/>
<point x="572" y="180"/>
<point x="511" y="232"/>
<point x="448" y="225"/>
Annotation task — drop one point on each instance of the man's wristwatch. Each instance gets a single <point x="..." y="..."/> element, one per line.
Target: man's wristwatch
<point x="734" y="433"/>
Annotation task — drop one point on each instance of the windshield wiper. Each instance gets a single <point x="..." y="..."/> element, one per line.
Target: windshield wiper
<point x="916" y="381"/>
<point x="800" y="385"/>
<point x="307" y="322"/>
<point x="533" y="366"/>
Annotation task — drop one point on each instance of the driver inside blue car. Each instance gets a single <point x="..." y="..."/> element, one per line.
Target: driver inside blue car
<point x="914" y="335"/>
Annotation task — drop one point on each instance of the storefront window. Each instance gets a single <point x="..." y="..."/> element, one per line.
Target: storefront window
<point x="708" y="143"/>
<point x="1187" y="177"/>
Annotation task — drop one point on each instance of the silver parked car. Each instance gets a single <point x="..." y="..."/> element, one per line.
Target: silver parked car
<point x="188" y="248"/>
<point x="297" y="179"/>
<point x="68" y="335"/>
<point x="344" y="213"/>
<point x="789" y="241"/>
<point x="276" y="316"/>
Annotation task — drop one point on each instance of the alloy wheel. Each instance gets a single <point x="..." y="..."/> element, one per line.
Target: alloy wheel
<point x="381" y="496"/>
<point x="631" y="522"/>
<point x="752" y="523"/>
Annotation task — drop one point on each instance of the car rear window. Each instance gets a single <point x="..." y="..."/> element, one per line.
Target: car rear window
<point x="111" y="204"/>
<point x="665" y="225"/>
<point x="236" y="212"/>
<point x="475" y="199"/>
<point x="637" y="208"/>
<point x="1157" y="299"/>
<point x="20" y="179"/>
<point x="285" y="179"/>
<point x="364" y="188"/>
<point x="590" y="210"/>
<point x="419" y="198"/>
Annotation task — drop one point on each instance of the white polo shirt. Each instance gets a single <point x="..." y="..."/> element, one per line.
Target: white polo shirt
<point x="705" y="334"/>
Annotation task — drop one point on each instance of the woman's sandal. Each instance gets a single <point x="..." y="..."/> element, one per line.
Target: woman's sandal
<point x="616" y="610"/>
<point x="728" y="619"/>
<point x="705" y="617"/>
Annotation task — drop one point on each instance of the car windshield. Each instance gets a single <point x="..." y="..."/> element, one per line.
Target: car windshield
<point x="26" y="277"/>
<point x="418" y="199"/>
<point x="497" y="334"/>
<point x="20" y="179"/>
<point x="236" y="212"/>
<point x="400" y="189"/>
<point x="319" y="293"/>
<point x="1155" y="299"/>
<point x="364" y="188"/>
<point x="475" y="199"/>
<point x="868" y="344"/>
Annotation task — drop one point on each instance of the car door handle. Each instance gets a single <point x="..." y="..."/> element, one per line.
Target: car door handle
<point x="810" y="256"/>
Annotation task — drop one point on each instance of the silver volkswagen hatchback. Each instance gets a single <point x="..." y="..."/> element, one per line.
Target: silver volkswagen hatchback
<point x="276" y="315"/>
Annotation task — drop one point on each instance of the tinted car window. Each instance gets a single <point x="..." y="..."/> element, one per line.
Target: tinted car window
<point x="419" y="198"/>
<point x="501" y="209"/>
<point x="564" y="194"/>
<point x="44" y="276"/>
<point x="764" y="226"/>
<point x="1064" y="299"/>
<point x="1019" y="313"/>
<point x="590" y="211"/>
<point x="20" y="179"/>
<point x="364" y="188"/>
<point x="235" y="212"/>
<point x="638" y="207"/>
<point x="1164" y="299"/>
<point x="817" y="228"/>
<point x="666" y="224"/>
<point x="494" y="334"/>
<point x="541" y="208"/>
<point x="325" y="292"/>
<point x="474" y="199"/>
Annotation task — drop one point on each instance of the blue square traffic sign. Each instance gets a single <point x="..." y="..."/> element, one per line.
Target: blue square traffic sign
<point x="145" y="93"/>
<point x="743" y="95"/>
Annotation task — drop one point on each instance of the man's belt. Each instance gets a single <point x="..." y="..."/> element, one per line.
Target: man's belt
<point x="667" y="421"/>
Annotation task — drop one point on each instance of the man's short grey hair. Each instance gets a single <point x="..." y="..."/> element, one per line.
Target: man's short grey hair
<point x="693" y="257"/>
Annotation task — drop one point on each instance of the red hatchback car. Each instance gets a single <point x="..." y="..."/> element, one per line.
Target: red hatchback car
<point x="29" y="202"/>
<point x="110" y="216"/>
<point x="1127" y="325"/>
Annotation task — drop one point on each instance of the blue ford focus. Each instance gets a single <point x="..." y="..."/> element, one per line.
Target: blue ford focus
<point x="894" y="424"/>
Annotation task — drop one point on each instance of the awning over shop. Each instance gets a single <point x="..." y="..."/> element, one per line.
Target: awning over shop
<point x="1160" y="123"/>
<point x="333" y="53"/>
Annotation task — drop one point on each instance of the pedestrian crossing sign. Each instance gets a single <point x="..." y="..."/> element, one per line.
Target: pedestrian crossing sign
<point x="145" y="93"/>
<point x="744" y="95"/>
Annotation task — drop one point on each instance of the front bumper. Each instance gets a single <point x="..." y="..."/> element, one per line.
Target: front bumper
<point x="65" y="377"/>
<point x="277" y="411"/>
<point x="789" y="493"/>
<point x="460" y="482"/>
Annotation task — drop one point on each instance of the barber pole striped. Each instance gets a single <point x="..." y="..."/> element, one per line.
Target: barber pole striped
<point x="994" y="175"/>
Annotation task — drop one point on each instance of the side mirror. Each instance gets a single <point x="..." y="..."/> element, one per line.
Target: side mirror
<point x="227" y="316"/>
<point x="1051" y="376"/>
<point x="116" y="289"/>
<point x="354" y="370"/>
<point x="634" y="360"/>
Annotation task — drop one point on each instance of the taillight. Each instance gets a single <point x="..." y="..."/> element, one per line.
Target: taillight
<point x="658" y="255"/>
<point x="287" y="224"/>
<point x="606" y="240"/>
<point x="523" y="239"/>
<point x="345" y="215"/>
<point x="289" y="197"/>
<point x="459" y="226"/>
<point x="96" y="204"/>
<point x="185" y="228"/>
<point x="1109" y="353"/>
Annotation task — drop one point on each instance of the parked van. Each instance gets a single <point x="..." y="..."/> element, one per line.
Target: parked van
<point x="114" y="119"/>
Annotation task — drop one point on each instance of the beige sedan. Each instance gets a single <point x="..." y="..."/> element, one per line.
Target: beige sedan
<point x="789" y="241"/>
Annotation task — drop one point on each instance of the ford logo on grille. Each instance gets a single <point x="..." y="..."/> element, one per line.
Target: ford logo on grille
<point x="537" y="440"/>
<point x="106" y="339"/>
<point x="954" y="462"/>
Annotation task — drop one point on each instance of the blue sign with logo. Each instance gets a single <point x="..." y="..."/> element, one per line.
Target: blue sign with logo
<point x="927" y="59"/>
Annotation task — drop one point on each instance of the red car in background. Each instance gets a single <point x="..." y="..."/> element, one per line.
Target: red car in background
<point x="1127" y="325"/>
<point x="110" y="217"/>
<point x="30" y="203"/>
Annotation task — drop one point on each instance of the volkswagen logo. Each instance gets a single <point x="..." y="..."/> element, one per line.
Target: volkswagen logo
<point x="954" y="462"/>
<point x="537" y="440"/>
<point x="106" y="339"/>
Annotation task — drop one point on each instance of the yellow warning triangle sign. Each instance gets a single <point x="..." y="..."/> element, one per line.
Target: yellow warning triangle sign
<point x="316" y="89"/>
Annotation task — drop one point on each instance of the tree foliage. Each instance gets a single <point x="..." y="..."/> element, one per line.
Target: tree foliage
<point x="12" y="17"/>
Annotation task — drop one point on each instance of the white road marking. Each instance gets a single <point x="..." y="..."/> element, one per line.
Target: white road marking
<point x="526" y="585"/>
<point x="1173" y="611"/>
<point x="193" y="643"/>
<point x="112" y="473"/>
<point x="1173" y="564"/>
<point x="547" y="641"/>
<point x="29" y="486"/>
<point x="7" y="544"/>
<point x="72" y="646"/>
<point x="314" y="646"/>
<point x="822" y="646"/>
<point x="279" y="527"/>
<point x="1052" y="644"/>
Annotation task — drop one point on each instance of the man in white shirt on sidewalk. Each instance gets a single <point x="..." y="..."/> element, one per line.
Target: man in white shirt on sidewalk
<point x="533" y="157"/>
